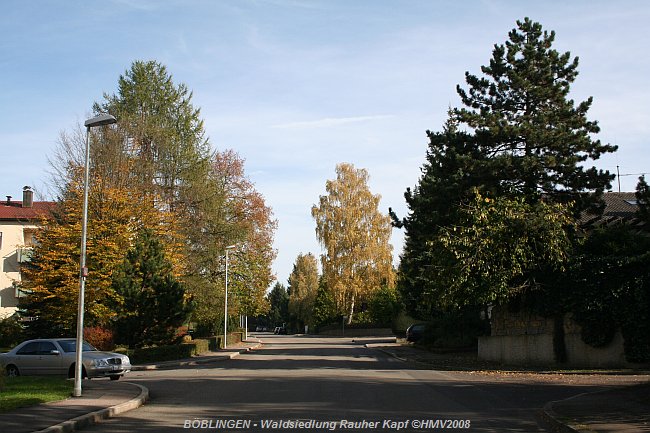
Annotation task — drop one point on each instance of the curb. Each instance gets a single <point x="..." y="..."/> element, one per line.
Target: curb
<point x="197" y="361"/>
<point x="94" y="417"/>
<point x="549" y="414"/>
<point x="387" y="353"/>
<point x="552" y="418"/>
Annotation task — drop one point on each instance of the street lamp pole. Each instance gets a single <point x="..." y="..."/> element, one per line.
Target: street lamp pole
<point x="225" y="304"/>
<point x="102" y="119"/>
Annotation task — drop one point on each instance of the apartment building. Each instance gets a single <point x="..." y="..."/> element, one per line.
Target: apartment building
<point x="19" y="221"/>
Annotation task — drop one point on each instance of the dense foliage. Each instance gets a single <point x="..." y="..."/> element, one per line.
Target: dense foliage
<point x="303" y="287"/>
<point x="520" y="143"/>
<point x="611" y="289"/>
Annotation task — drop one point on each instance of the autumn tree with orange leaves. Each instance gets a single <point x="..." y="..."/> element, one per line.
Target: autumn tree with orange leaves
<point x="51" y="278"/>
<point x="355" y="235"/>
<point x="154" y="170"/>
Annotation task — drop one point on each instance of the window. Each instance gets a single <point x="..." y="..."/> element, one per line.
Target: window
<point x="29" y="237"/>
<point x="69" y="346"/>
<point x="0" y="240"/>
<point x="46" y="348"/>
<point x="29" y="349"/>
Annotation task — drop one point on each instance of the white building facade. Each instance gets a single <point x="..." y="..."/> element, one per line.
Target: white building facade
<point x="19" y="221"/>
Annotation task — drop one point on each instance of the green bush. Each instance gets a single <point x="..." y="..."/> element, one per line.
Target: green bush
<point x="11" y="331"/>
<point x="384" y="306"/>
<point x="167" y="353"/>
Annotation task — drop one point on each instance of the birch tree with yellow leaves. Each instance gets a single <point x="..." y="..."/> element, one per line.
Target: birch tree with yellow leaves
<point x="355" y="235"/>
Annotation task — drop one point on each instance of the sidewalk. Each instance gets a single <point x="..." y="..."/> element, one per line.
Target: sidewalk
<point x="101" y="399"/>
<point x="625" y="409"/>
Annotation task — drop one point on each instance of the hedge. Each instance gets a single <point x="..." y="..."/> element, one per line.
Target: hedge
<point x="178" y="351"/>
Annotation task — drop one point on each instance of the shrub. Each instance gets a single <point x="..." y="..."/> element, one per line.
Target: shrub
<point x="11" y="331"/>
<point x="167" y="353"/>
<point x="384" y="306"/>
<point x="99" y="337"/>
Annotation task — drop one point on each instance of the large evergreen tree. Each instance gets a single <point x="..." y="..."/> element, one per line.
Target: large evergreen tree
<point x="518" y="137"/>
<point x="454" y="165"/>
<point x="164" y="133"/>
<point x="539" y="139"/>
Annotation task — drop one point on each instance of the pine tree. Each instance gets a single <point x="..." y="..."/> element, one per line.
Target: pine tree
<point x="523" y="119"/>
<point x="523" y="139"/>
<point x="160" y="134"/>
<point x="153" y="303"/>
<point x="643" y="199"/>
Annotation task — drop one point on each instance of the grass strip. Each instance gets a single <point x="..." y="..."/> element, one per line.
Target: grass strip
<point x="24" y="391"/>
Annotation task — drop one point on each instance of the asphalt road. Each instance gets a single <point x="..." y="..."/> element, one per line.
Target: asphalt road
<point x="323" y="381"/>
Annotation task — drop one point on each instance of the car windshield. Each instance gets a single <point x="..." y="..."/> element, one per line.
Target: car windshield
<point x="69" y="346"/>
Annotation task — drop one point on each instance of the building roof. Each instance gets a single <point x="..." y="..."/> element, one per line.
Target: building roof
<point x="620" y="208"/>
<point x="14" y="210"/>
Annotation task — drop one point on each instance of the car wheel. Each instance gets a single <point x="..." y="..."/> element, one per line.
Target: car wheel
<point x="71" y="372"/>
<point x="115" y="377"/>
<point x="12" y="371"/>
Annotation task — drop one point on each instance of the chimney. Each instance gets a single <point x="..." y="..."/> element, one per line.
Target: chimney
<point x="28" y="197"/>
<point x="8" y="200"/>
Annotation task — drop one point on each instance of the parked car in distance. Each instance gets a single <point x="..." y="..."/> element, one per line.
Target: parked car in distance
<point x="57" y="356"/>
<point x="280" y="330"/>
<point x="415" y="332"/>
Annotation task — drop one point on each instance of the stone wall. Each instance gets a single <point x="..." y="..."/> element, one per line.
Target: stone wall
<point x="525" y="339"/>
<point x="504" y="322"/>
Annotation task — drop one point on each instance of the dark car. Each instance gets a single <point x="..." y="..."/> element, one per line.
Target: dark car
<point x="415" y="332"/>
<point x="280" y="330"/>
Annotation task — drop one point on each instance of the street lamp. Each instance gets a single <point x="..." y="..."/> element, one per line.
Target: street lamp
<point x="225" y="304"/>
<point x="100" y="120"/>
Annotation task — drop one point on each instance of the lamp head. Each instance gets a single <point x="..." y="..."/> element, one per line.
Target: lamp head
<point x="100" y="120"/>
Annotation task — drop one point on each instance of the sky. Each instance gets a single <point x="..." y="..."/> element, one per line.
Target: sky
<point x="297" y="86"/>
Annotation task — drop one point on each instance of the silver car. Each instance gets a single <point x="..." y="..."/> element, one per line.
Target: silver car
<point x="57" y="356"/>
